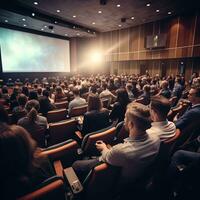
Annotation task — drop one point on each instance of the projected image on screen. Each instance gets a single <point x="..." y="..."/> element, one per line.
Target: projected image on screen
<point x="26" y="52"/>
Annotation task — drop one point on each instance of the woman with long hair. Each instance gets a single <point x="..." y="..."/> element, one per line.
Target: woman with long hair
<point x="96" y="117"/>
<point x="21" y="166"/>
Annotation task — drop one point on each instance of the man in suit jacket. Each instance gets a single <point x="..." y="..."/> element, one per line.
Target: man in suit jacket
<point x="193" y="113"/>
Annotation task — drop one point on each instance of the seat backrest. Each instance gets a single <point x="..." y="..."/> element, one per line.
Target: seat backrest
<point x="62" y="131"/>
<point x="50" y="189"/>
<point x="38" y="134"/>
<point x="77" y="111"/>
<point x="88" y="144"/>
<point x="66" y="152"/>
<point x="56" y="115"/>
<point x="61" y="99"/>
<point x="61" y="105"/>
<point x="101" y="182"/>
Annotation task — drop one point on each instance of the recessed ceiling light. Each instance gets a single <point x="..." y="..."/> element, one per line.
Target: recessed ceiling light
<point x="148" y="4"/>
<point x="42" y="29"/>
<point x="24" y="19"/>
<point x="66" y="34"/>
<point x="157" y="10"/>
<point x="74" y="26"/>
<point x="132" y="18"/>
<point x="35" y="3"/>
<point x="169" y="13"/>
<point x="57" y="11"/>
<point x="118" y="5"/>
<point x="78" y="34"/>
<point x="55" y="22"/>
<point x="74" y="16"/>
<point x="6" y="21"/>
<point x="94" y="33"/>
<point x="88" y="31"/>
<point x="24" y="25"/>
<point x="120" y="25"/>
<point x="99" y="11"/>
<point x="45" y="26"/>
<point x="93" y="22"/>
<point x="52" y="31"/>
<point x="33" y="14"/>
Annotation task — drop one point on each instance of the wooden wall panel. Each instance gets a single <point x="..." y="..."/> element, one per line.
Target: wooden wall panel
<point x="124" y="40"/>
<point x="115" y="41"/>
<point x="186" y="33"/>
<point x="134" y="39"/>
<point x="197" y="31"/>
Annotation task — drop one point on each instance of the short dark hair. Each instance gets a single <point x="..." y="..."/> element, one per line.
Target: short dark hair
<point x="76" y="91"/>
<point x="197" y="89"/>
<point x="160" y="105"/>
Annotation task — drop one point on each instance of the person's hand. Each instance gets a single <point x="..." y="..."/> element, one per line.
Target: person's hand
<point x="100" y="145"/>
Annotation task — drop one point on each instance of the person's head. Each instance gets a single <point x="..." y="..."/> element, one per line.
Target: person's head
<point x="32" y="108"/>
<point x="104" y="86"/>
<point x="137" y="118"/>
<point x="93" y="89"/>
<point x="194" y="95"/>
<point x="122" y="96"/>
<point x="4" y="89"/>
<point x="25" y="90"/>
<point x="22" y="99"/>
<point x="129" y="87"/>
<point x="46" y="93"/>
<point x="39" y="91"/>
<point x="18" y="151"/>
<point x="33" y="95"/>
<point x="94" y="102"/>
<point x="76" y="92"/>
<point x="164" y="84"/>
<point x="59" y="90"/>
<point x="159" y="108"/>
<point x="147" y="88"/>
<point x="3" y="115"/>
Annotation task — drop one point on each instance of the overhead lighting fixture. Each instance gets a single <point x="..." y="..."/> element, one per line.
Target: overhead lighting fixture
<point x="157" y="10"/>
<point x="24" y="19"/>
<point x="74" y="16"/>
<point x="74" y="27"/>
<point x="42" y="29"/>
<point x="55" y="22"/>
<point x="58" y="11"/>
<point x="6" y="20"/>
<point x="99" y="11"/>
<point x="94" y="33"/>
<point x="33" y="14"/>
<point x="118" y="5"/>
<point x="132" y="18"/>
<point x="45" y="26"/>
<point x="24" y="25"/>
<point x="120" y="25"/>
<point x="78" y="34"/>
<point x="148" y="4"/>
<point x="169" y="13"/>
<point x="66" y="34"/>
<point x="35" y="3"/>
<point x="93" y="23"/>
<point x="52" y="31"/>
<point x="88" y="31"/>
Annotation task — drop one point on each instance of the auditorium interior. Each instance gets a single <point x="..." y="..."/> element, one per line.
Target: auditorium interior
<point x="99" y="99"/>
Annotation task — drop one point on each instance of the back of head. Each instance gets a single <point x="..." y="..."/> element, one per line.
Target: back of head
<point x="22" y="99"/>
<point x="76" y="91"/>
<point x="122" y="96"/>
<point x="3" y="115"/>
<point x="33" y="95"/>
<point x="94" y="102"/>
<point x="161" y="106"/>
<point x="104" y="86"/>
<point x="164" y="84"/>
<point x="139" y="115"/>
<point x="32" y="107"/>
<point x="147" y="88"/>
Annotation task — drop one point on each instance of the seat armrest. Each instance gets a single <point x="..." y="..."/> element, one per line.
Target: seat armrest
<point x="78" y="133"/>
<point x="72" y="179"/>
<point x="58" y="167"/>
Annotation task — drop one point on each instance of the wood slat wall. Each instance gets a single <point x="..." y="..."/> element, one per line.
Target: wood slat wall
<point x="125" y="50"/>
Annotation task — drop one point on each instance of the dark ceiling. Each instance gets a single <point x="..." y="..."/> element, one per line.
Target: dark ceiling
<point x="86" y="18"/>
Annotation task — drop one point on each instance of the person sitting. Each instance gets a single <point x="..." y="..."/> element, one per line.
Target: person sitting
<point x="106" y="93"/>
<point x="193" y="113"/>
<point x="129" y="89"/>
<point x="165" y="90"/>
<point x="3" y="115"/>
<point x="33" y="122"/>
<point x="119" y="108"/>
<point x="134" y="155"/>
<point x="145" y="97"/>
<point x="77" y="101"/>
<point x="59" y="94"/>
<point x="96" y="117"/>
<point x="159" y="108"/>
<point x="22" y="167"/>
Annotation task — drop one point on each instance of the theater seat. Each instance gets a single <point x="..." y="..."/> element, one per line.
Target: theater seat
<point x="100" y="182"/>
<point x="61" y="105"/>
<point x="88" y="144"/>
<point x="50" y="189"/>
<point x="56" y="115"/>
<point x="61" y="131"/>
<point x="77" y="111"/>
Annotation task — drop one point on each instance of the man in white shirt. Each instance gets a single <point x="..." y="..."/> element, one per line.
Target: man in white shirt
<point x="77" y="101"/>
<point x="135" y="154"/>
<point x="159" y="108"/>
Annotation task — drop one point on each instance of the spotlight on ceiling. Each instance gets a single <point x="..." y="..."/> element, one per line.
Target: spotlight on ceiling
<point x="103" y="2"/>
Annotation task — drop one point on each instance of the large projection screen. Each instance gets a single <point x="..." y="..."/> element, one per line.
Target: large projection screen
<point x="26" y="52"/>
